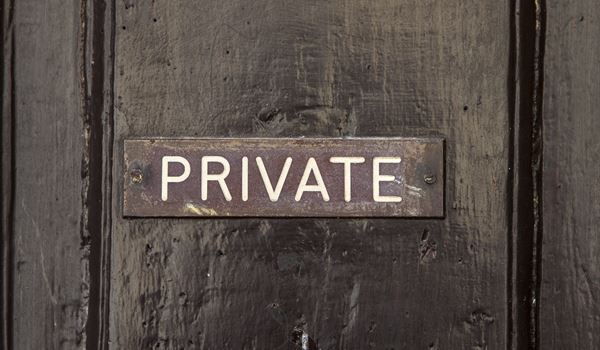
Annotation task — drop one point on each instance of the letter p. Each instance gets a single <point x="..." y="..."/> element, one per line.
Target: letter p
<point x="166" y="179"/>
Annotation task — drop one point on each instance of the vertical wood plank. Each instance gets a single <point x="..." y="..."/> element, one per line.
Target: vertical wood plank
<point x="570" y="308"/>
<point x="50" y="271"/>
<point x="313" y="68"/>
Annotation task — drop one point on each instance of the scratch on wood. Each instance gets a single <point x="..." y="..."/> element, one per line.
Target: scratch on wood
<point x="38" y="236"/>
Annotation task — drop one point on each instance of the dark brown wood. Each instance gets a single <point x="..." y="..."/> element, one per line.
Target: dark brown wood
<point x="408" y="174"/>
<point x="76" y="274"/>
<point x="570" y="289"/>
<point x="49" y="268"/>
<point x="313" y="68"/>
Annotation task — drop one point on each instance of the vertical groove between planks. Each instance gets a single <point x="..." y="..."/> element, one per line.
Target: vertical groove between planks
<point x="7" y="173"/>
<point x="86" y="213"/>
<point x="524" y="208"/>
<point x="537" y="160"/>
<point x="97" y="72"/>
<point x="107" y="155"/>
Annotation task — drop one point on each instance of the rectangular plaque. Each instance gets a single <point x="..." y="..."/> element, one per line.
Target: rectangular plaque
<point x="282" y="177"/>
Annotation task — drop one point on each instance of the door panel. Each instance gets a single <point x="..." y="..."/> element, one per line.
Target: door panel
<point x="45" y="240"/>
<point x="569" y="310"/>
<point x="509" y="85"/>
<point x="311" y="68"/>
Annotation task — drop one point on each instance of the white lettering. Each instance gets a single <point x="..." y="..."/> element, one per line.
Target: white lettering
<point x="166" y="179"/>
<point x="347" y="161"/>
<point x="274" y="193"/>
<point x="244" y="179"/>
<point x="311" y="167"/>
<point x="377" y="178"/>
<point x="220" y="178"/>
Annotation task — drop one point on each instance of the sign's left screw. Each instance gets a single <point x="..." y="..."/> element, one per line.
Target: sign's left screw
<point x="136" y="176"/>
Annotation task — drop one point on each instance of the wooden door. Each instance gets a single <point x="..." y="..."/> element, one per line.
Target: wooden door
<point x="510" y="85"/>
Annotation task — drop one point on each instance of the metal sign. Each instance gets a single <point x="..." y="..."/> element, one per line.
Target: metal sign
<point x="324" y="177"/>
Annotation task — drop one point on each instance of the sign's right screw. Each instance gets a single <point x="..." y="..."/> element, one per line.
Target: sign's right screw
<point x="430" y="179"/>
<point x="136" y="176"/>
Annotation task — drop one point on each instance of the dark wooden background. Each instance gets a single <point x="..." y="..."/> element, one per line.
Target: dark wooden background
<point x="510" y="84"/>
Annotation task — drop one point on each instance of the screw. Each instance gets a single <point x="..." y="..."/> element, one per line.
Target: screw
<point x="136" y="176"/>
<point x="429" y="179"/>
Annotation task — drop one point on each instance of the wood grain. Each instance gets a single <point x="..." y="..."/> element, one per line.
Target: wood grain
<point x="312" y="68"/>
<point x="570" y="308"/>
<point x="48" y="268"/>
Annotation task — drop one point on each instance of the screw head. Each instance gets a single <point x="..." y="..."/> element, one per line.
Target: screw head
<point x="136" y="176"/>
<point x="429" y="179"/>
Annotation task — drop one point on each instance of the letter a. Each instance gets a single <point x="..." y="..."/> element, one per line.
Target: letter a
<point x="311" y="167"/>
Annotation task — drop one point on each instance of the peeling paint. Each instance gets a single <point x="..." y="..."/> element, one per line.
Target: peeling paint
<point x="305" y="341"/>
<point x="200" y="211"/>
<point x="414" y="191"/>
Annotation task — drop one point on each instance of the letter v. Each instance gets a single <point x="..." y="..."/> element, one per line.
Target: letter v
<point x="274" y="193"/>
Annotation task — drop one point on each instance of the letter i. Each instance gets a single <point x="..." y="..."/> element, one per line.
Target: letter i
<point x="244" y="179"/>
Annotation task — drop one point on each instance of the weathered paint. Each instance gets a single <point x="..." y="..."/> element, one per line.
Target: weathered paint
<point x="467" y="70"/>
<point x="359" y="68"/>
